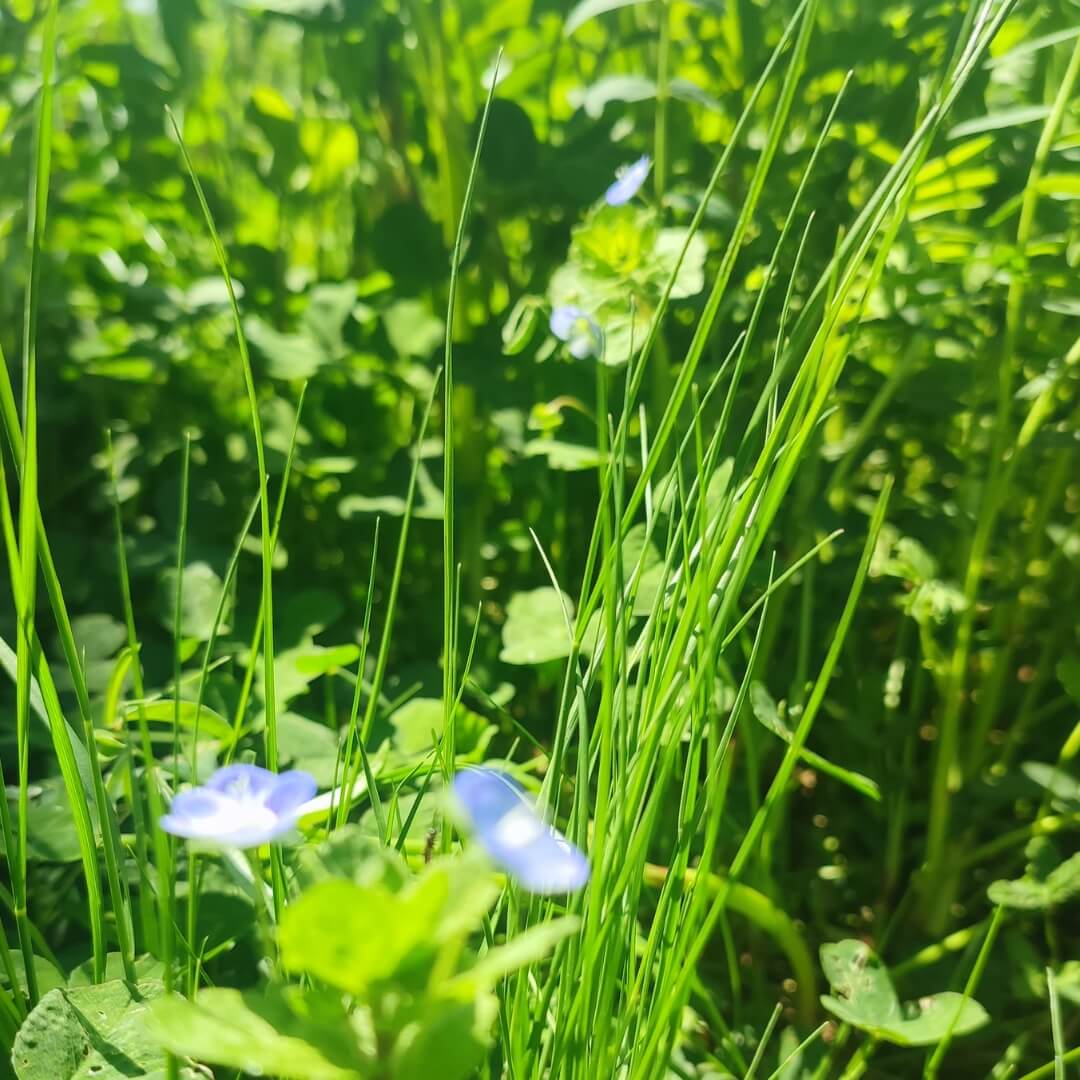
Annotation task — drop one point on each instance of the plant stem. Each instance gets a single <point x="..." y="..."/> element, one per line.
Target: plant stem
<point x="947" y="771"/>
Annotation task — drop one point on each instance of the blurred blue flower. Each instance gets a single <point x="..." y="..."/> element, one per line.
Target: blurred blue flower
<point x="516" y="838"/>
<point x="578" y="329"/>
<point x="240" y="806"/>
<point x="628" y="182"/>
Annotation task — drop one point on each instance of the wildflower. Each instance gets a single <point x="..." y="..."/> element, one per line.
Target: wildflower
<point x="508" y="827"/>
<point x="628" y="182"/>
<point x="240" y="806"/>
<point x="579" y="330"/>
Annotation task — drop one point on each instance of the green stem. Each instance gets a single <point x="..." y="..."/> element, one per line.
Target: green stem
<point x="450" y="570"/>
<point x="178" y="597"/>
<point x="269" y="691"/>
<point x="970" y="987"/>
<point x="947" y="769"/>
<point x="859" y="1060"/>
<point x="1051" y="1068"/>
<point x="162" y="847"/>
<point x="663" y="50"/>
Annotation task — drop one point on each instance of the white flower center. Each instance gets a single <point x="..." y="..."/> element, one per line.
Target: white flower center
<point x="518" y="828"/>
<point x="234" y="819"/>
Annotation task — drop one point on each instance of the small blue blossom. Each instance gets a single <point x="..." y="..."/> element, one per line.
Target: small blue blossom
<point x="628" y="182"/>
<point x="240" y="806"/>
<point x="579" y="330"/>
<point x="516" y="838"/>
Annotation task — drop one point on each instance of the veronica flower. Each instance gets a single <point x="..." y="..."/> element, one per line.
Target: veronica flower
<point x="578" y="329"/>
<point x="628" y="182"/>
<point x="240" y="806"/>
<point x="514" y="835"/>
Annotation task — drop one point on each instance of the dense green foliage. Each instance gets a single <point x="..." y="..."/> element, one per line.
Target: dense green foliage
<point x="774" y="602"/>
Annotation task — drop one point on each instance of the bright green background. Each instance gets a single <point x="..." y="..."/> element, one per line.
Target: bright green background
<point x="333" y="141"/>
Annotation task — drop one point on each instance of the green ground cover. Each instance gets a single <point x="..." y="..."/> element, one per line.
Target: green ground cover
<point x="354" y="425"/>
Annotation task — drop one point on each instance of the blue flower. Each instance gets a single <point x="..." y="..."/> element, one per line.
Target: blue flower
<point x="628" y="182"/>
<point x="240" y="806"/>
<point x="578" y="329"/>
<point x="516" y="838"/>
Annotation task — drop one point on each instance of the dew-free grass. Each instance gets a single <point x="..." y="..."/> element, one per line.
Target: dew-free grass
<point x="352" y="428"/>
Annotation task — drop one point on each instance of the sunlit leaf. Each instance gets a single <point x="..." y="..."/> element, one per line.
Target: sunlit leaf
<point x="280" y="1032"/>
<point x="91" y="1033"/>
<point x="535" y="629"/>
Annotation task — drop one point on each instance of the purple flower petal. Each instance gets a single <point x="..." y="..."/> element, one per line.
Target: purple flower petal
<point x="582" y="346"/>
<point x="487" y="795"/>
<point x="240" y="806"/>
<point x="243" y="781"/>
<point x="578" y="329"/>
<point x="628" y="182"/>
<point x="563" y="320"/>
<point x="196" y="804"/>
<point x="514" y="835"/>
<point x="291" y="789"/>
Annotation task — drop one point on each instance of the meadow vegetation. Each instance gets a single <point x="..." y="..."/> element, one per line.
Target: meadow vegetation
<point x="661" y="411"/>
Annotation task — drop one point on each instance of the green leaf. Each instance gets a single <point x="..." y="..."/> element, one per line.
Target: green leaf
<point x="300" y="738"/>
<point x="937" y="1014"/>
<point x="636" y="549"/>
<point x="90" y="1033"/>
<point x="629" y="88"/>
<point x="1062" y="186"/>
<point x="320" y="659"/>
<point x="421" y="718"/>
<point x="1068" y="673"/>
<point x="297" y="667"/>
<point x="288" y="356"/>
<point x="283" y="1033"/>
<point x="1047" y="882"/>
<point x="333" y="148"/>
<point x="520" y="325"/>
<point x="52" y="836"/>
<point x="211" y="724"/>
<point x="1022" y="894"/>
<point x="535" y="628"/>
<point x="202" y="592"/>
<point x="1057" y="782"/>
<point x="520" y="951"/>
<point x="866" y="999"/>
<point x="859" y="977"/>
<point x="147" y="968"/>
<point x="691" y="277"/>
<point x="308" y="613"/>
<point x="445" y="1039"/>
<point x="351" y="854"/>
<point x="564" y="456"/>
<point x="768" y="715"/>
<point x="329" y="306"/>
<point x="308" y="745"/>
<point x="98" y="636"/>
<point x="8" y="662"/>
<point x="589" y="9"/>
<point x="49" y="976"/>
<point x="1064" y="881"/>
<point x="1067" y="981"/>
<point x="412" y="329"/>
<point x="471" y="890"/>
<point x="688" y="90"/>
<point x="953" y="181"/>
<point x="300" y="10"/>
<point x="1002" y="118"/>
<point x="327" y="932"/>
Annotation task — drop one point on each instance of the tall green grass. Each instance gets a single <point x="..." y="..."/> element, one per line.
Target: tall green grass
<point x="655" y="696"/>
